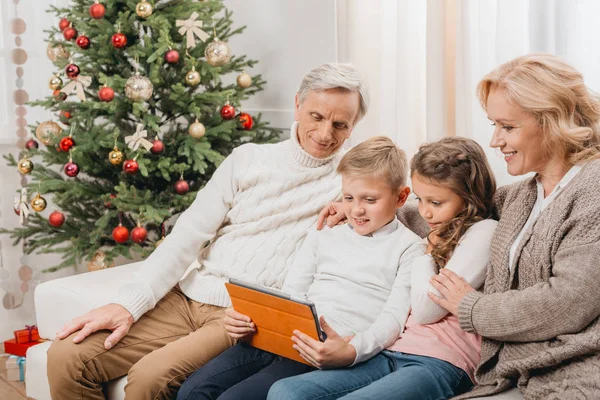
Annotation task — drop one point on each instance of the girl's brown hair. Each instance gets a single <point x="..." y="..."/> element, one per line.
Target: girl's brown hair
<point x="461" y="165"/>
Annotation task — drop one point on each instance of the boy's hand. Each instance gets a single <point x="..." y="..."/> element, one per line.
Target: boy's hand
<point x="335" y="352"/>
<point x="332" y="214"/>
<point x="238" y="325"/>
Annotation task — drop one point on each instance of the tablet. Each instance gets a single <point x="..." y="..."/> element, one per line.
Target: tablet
<point x="276" y="315"/>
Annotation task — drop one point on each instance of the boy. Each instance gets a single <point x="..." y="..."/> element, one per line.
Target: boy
<point x="358" y="276"/>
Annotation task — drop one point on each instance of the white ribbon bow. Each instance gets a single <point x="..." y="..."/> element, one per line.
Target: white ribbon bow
<point x="191" y="28"/>
<point x="21" y="206"/>
<point x="138" y="139"/>
<point x="78" y="84"/>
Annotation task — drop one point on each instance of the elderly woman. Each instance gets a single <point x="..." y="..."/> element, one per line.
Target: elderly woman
<point x="539" y="310"/>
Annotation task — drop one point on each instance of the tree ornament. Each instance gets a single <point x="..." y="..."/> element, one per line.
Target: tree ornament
<point x="119" y="40"/>
<point x="131" y="167"/>
<point x="115" y="156"/>
<point x="181" y="186"/>
<point x="83" y="42"/>
<point x="172" y="56"/>
<point x="191" y="28"/>
<point x="138" y="88"/>
<point x="143" y="9"/>
<point x="97" y="10"/>
<point x="246" y="121"/>
<point x="138" y="139"/>
<point x="64" y="117"/>
<point x="55" y="82"/>
<point x="21" y="207"/>
<point x="66" y="143"/>
<point x="25" y="166"/>
<point x="59" y="96"/>
<point x="46" y="130"/>
<point x="99" y="262"/>
<point x="63" y="24"/>
<point x="31" y="144"/>
<point x="120" y="234"/>
<point x="57" y="51"/>
<point x="244" y="80"/>
<point x="70" y="168"/>
<point x="38" y="203"/>
<point x="217" y="53"/>
<point x="56" y="219"/>
<point x="139" y="234"/>
<point x="192" y="78"/>
<point x="197" y="129"/>
<point x="70" y="33"/>
<point x="77" y="84"/>
<point x="227" y="111"/>
<point x="106" y="94"/>
<point x="157" y="146"/>
<point x="72" y="71"/>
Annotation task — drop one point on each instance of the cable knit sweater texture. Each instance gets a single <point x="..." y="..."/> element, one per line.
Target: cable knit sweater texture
<point x="540" y="322"/>
<point x="255" y="212"/>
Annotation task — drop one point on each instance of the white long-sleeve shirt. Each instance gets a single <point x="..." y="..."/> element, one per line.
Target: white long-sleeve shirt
<point x="361" y="285"/>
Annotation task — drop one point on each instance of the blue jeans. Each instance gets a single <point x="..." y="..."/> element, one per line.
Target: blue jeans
<point x="388" y="375"/>
<point x="240" y="372"/>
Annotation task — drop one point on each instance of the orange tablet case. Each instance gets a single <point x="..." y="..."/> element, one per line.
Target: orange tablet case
<point x="275" y="319"/>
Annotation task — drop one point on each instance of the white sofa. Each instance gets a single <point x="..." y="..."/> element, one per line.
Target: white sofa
<point x="60" y="300"/>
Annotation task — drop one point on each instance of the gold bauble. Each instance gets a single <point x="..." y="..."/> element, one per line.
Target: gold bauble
<point x="99" y="262"/>
<point x="38" y="203"/>
<point x="115" y="156"/>
<point x="25" y="166"/>
<point x="56" y="52"/>
<point x="244" y="80"/>
<point x="197" y="130"/>
<point x="192" y="78"/>
<point x="143" y="9"/>
<point x="217" y="53"/>
<point x="46" y="130"/>
<point x="138" y="88"/>
<point x="55" y="82"/>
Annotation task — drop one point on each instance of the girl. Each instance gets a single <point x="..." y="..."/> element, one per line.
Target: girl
<point x="433" y="358"/>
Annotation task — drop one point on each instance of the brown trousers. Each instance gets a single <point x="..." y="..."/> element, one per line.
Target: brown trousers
<point x="160" y="351"/>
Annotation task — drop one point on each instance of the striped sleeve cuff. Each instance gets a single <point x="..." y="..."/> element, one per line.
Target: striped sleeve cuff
<point x="133" y="302"/>
<point x="465" y="311"/>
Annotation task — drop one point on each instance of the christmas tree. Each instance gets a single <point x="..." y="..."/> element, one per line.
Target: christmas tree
<point x="144" y="120"/>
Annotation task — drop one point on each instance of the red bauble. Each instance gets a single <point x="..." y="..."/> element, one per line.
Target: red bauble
<point x="66" y="143"/>
<point x="106" y="94"/>
<point x="31" y="144"/>
<point x="72" y="71"/>
<point x="56" y="219"/>
<point x="181" y="186"/>
<point x="172" y="56"/>
<point x="70" y="33"/>
<point x="120" y="234"/>
<point x="71" y="169"/>
<point x="97" y="11"/>
<point x="83" y="42"/>
<point x="246" y="121"/>
<point x="119" y="40"/>
<point x="130" y="167"/>
<point x="58" y="95"/>
<point x="227" y="112"/>
<point x="139" y="234"/>
<point x="157" y="147"/>
<point x="64" y="117"/>
<point x="17" y="211"/>
<point x="63" y="24"/>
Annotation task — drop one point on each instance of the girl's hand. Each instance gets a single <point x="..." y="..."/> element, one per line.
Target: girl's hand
<point x="335" y="352"/>
<point x="332" y="214"/>
<point x="238" y="325"/>
<point x="452" y="287"/>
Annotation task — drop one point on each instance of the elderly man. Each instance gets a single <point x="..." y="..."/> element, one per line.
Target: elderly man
<point x="254" y="213"/>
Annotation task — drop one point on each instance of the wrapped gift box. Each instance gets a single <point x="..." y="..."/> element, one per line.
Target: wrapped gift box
<point x="29" y="334"/>
<point x="15" y="368"/>
<point x="18" y="349"/>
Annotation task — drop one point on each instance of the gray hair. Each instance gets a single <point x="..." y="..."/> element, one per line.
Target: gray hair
<point x="335" y="76"/>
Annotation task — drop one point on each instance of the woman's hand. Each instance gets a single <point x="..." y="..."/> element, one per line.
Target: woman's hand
<point x="332" y="214"/>
<point x="452" y="287"/>
<point x="335" y="352"/>
<point x="238" y="325"/>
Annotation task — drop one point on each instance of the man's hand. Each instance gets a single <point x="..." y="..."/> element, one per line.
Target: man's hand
<point x="238" y="325"/>
<point x="335" y="352"/>
<point x="113" y="317"/>
<point x="333" y="214"/>
<point x="452" y="287"/>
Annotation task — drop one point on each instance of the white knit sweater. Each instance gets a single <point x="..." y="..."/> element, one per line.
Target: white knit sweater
<point x="255" y="212"/>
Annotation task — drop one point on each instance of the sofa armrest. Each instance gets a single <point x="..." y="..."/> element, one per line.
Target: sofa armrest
<point x="60" y="300"/>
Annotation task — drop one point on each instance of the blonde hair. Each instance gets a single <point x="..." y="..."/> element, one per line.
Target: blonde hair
<point x="377" y="157"/>
<point x="460" y="165"/>
<point x="544" y="86"/>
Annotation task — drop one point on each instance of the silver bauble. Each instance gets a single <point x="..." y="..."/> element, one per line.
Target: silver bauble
<point x="217" y="53"/>
<point x="138" y="88"/>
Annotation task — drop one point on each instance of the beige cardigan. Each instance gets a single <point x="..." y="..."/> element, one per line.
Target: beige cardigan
<point x="540" y="323"/>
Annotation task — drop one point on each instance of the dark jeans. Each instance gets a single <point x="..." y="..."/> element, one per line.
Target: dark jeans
<point x="240" y="372"/>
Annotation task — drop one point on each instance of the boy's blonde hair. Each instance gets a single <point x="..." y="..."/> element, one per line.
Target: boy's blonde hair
<point x="376" y="157"/>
